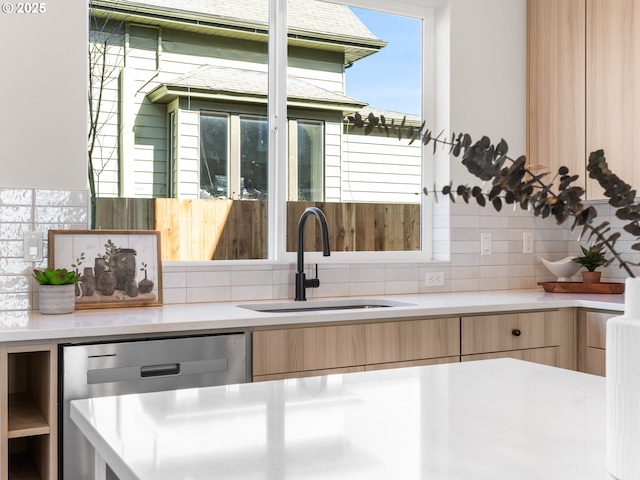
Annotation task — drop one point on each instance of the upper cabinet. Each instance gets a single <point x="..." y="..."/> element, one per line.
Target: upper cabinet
<point x="613" y="86"/>
<point x="556" y="85"/>
<point x="583" y="85"/>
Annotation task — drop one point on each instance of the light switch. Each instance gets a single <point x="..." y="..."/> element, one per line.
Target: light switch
<point x="485" y="244"/>
<point x="32" y="246"/>
<point x="527" y="242"/>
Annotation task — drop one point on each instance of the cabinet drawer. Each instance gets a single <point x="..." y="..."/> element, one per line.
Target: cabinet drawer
<point x="551" y="356"/>
<point x="310" y="373"/>
<point x="596" y="361"/>
<point x="339" y="346"/>
<point x="497" y="333"/>
<point x="412" y="363"/>
<point x="596" y="328"/>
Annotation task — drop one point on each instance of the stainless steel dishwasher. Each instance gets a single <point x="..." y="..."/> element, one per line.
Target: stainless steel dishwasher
<point x="100" y="369"/>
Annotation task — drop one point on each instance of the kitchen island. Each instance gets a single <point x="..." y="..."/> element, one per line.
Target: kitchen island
<point x="499" y="419"/>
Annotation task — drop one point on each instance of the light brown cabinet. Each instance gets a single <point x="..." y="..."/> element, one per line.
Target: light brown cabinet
<point x="592" y="341"/>
<point x="613" y="86"/>
<point x="28" y="407"/>
<point x="306" y="351"/>
<point x="546" y="337"/>
<point x="583" y="94"/>
<point x="556" y="85"/>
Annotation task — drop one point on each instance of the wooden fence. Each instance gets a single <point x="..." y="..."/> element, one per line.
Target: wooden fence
<point x="204" y="229"/>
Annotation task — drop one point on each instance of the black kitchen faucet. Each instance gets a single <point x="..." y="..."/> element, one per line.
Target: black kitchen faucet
<point x="302" y="283"/>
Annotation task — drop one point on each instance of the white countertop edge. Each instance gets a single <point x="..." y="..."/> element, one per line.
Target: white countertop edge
<point x="181" y="318"/>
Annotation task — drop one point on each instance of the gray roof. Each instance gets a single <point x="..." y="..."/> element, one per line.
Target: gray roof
<point x="234" y="84"/>
<point x="312" y="23"/>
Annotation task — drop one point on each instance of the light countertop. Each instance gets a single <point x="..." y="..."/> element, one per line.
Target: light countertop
<point x="31" y="325"/>
<point x="485" y="420"/>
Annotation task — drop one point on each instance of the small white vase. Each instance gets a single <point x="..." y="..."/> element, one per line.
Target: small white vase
<point x="623" y="387"/>
<point x="57" y="299"/>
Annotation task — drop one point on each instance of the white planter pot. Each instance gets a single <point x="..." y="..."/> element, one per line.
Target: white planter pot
<point x="623" y="387"/>
<point x="57" y="299"/>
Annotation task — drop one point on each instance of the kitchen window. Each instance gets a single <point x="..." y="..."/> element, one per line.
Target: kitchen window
<point x="267" y="117"/>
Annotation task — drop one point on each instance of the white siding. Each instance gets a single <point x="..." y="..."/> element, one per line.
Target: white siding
<point x="333" y="153"/>
<point x="188" y="159"/>
<point x="380" y="169"/>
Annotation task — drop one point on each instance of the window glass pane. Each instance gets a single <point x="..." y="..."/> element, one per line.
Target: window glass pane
<point x="367" y="183"/>
<point x="213" y="156"/>
<point x="254" y="143"/>
<point x="169" y="149"/>
<point x="310" y="161"/>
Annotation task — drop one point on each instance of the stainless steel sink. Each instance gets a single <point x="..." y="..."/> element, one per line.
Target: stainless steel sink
<point x="323" y="305"/>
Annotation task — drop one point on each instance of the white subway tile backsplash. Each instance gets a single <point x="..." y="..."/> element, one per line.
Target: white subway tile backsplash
<point x="367" y="273"/>
<point x="208" y="279"/>
<point x="208" y="294"/>
<point x="245" y="277"/>
<point x="16" y="196"/>
<point x="466" y="285"/>
<point x="61" y="215"/>
<point x="324" y="290"/>
<point x="16" y="283"/>
<point x="174" y="295"/>
<point x="495" y="259"/>
<point x="465" y="234"/>
<point x="397" y="287"/>
<point x="468" y="246"/>
<point x="368" y="288"/>
<point x="458" y="273"/>
<point x="250" y="293"/>
<point x="15" y="214"/>
<point x="401" y="273"/>
<point x="61" y="197"/>
<point x="494" y="222"/>
<point x="456" y="242"/>
<point x="467" y="260"/>
<point x="465" y="221"/>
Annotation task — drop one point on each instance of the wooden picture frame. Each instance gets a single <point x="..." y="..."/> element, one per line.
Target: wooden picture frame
<point x="117" y="268"/>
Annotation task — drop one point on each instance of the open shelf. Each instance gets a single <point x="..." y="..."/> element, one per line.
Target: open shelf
<point x="29" y="458"/>
<point x="29" y="412"/>
<point x="21" y="468"/>
<point x="25" y="419"/>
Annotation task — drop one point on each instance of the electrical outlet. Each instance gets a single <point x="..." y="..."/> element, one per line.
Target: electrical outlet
<point x="434" y="279"/>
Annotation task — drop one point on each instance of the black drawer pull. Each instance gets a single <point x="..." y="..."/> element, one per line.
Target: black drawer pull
<point x="516" y="332"/>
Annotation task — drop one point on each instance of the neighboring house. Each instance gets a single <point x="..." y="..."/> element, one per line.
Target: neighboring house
<point x="183" y="110"/>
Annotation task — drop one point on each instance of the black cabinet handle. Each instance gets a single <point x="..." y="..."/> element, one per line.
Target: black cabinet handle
<point x="516" y="332"/>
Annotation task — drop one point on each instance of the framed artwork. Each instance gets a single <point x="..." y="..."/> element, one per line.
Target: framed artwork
<point x="117" y="268"/>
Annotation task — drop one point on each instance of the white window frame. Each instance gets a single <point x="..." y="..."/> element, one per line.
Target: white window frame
<point x="276" y="211"/>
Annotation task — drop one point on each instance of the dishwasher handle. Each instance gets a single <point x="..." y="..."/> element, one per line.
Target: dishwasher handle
<point x="151" y="372"/>
<point x="160" y="370"/>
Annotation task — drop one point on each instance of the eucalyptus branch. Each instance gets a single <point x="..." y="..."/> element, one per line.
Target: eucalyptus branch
<point x="513" y="182"/>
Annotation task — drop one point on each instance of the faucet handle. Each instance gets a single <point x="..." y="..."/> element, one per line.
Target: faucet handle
<point x="312" y="282"/>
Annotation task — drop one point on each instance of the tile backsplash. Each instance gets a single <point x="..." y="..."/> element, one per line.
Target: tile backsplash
<point x="456" y="231"/>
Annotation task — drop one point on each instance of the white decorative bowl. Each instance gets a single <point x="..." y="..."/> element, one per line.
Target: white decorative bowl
<point x="563" y="269"/>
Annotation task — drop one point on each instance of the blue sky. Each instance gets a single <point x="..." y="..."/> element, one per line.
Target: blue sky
<point x="389" y="79"/>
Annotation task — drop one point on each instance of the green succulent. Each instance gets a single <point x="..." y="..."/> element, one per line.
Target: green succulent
<point x="59" y="276"/>
<point x="592" y="258"/>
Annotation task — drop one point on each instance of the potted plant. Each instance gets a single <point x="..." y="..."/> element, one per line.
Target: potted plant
<point x="57" y="290"/>
<point x="591" y="258"/>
